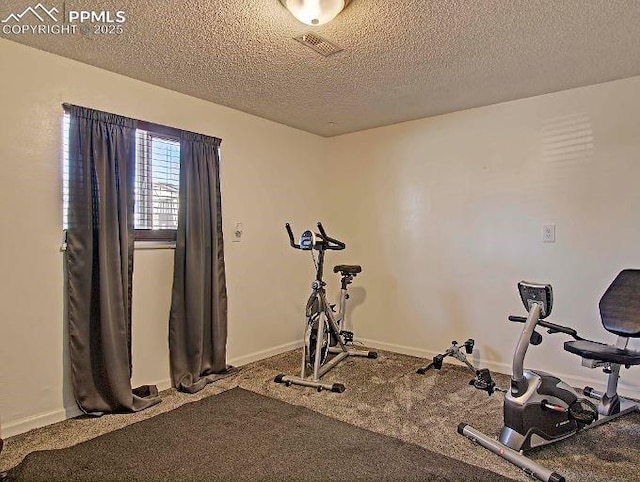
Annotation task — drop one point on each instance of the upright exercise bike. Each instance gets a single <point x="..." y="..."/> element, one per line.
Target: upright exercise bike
<point x="540" y="408"/>
<point x="326" y="343"/>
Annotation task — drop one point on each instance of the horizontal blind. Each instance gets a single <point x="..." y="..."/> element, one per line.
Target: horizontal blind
<point x="65" y="170"/>
<point x="157" y="181"/>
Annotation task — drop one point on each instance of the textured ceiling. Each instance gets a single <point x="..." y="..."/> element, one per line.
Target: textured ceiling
<point x="402" y="59"/>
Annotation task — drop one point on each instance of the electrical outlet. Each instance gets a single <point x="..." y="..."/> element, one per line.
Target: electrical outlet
<point x="549" y="233"/>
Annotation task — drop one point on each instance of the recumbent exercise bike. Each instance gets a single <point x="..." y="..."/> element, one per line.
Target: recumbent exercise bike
<point x="540" y="408"/>
<point x="324" y="331"/>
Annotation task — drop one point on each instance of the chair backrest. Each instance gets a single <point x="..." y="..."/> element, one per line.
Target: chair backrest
<point x="620" y="305"/>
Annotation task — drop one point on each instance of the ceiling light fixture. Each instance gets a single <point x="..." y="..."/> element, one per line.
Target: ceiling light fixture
<point x="315" y="12"/>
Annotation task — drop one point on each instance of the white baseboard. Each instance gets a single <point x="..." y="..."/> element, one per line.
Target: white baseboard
<point x="41" y="420"/>
<point x="597" y="382"/>
<point x="36" y="421"/>
<point x="261" y="355"/>
<point x="163" y="384"/>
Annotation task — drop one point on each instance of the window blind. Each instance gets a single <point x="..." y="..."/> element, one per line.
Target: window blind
<point x="157" y="180"/>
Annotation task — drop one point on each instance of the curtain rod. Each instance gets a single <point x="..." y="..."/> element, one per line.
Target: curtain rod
<point x="150" y="126"/>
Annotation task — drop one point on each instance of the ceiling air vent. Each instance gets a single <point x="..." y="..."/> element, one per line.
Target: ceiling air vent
<point x="319" y="44"/>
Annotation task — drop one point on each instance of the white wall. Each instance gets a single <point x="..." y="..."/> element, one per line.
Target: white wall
<point x="446" y="217"/>
<point x="270" y="175"/>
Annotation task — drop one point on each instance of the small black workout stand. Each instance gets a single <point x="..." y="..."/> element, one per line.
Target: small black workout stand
<point x="482" y="380"/>
<point x="326" y="342"/>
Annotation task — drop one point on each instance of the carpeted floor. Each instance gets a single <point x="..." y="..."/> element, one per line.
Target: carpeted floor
<point x="386" y="396"/>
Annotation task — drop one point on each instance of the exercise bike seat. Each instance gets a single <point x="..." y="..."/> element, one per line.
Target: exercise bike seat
<point x="620" y="305"/>
<point x="620" y="314"/>
<point x="347" y="269"/>
<point x="592" y="350"/>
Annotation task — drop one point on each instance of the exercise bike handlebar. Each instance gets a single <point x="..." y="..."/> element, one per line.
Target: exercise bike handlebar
<point x="552" y="327"/>
<point x="329" y="242"/>
<point x="339" y="245"/>
<point x="291" y="240"/>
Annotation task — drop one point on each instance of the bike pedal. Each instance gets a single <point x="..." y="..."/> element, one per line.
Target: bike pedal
<point x="468" y="346"/>
<point x="347" y="336"/>
<point x="437" y="361"/>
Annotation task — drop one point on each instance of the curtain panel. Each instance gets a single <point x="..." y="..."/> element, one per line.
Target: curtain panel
<point x="198" y="320"/>
<point x="100" y="262"/>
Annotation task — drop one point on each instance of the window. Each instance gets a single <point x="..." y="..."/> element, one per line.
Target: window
<point x="157" y="184"/>
<point x="65" y="171"/>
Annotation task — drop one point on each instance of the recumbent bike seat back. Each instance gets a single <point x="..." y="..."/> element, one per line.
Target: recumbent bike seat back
<point x="620" y="314"/>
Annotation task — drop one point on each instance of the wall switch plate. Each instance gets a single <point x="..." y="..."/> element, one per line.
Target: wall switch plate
<point x="237" y="234"/>
<point x="549" y="233"/>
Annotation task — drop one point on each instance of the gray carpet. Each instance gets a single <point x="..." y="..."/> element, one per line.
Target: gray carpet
<point x="387" y="397"/>
<point x="240" y="435"/>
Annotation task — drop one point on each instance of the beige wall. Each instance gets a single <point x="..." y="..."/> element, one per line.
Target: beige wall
<point x="270" y="175"/>
<point x="447" y="217"/>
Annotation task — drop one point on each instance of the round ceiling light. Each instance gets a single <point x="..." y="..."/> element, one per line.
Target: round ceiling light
<point x="315" y="12"/>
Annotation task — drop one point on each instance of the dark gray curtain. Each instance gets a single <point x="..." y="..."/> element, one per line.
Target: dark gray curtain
<point x="100" y="262"/>
<point x="198" y="320"/>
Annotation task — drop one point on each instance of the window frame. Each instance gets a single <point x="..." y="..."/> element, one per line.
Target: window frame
<point x="157" y="235"/>
<point x="155" y="130"/>
<point x="163" y="235"/>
